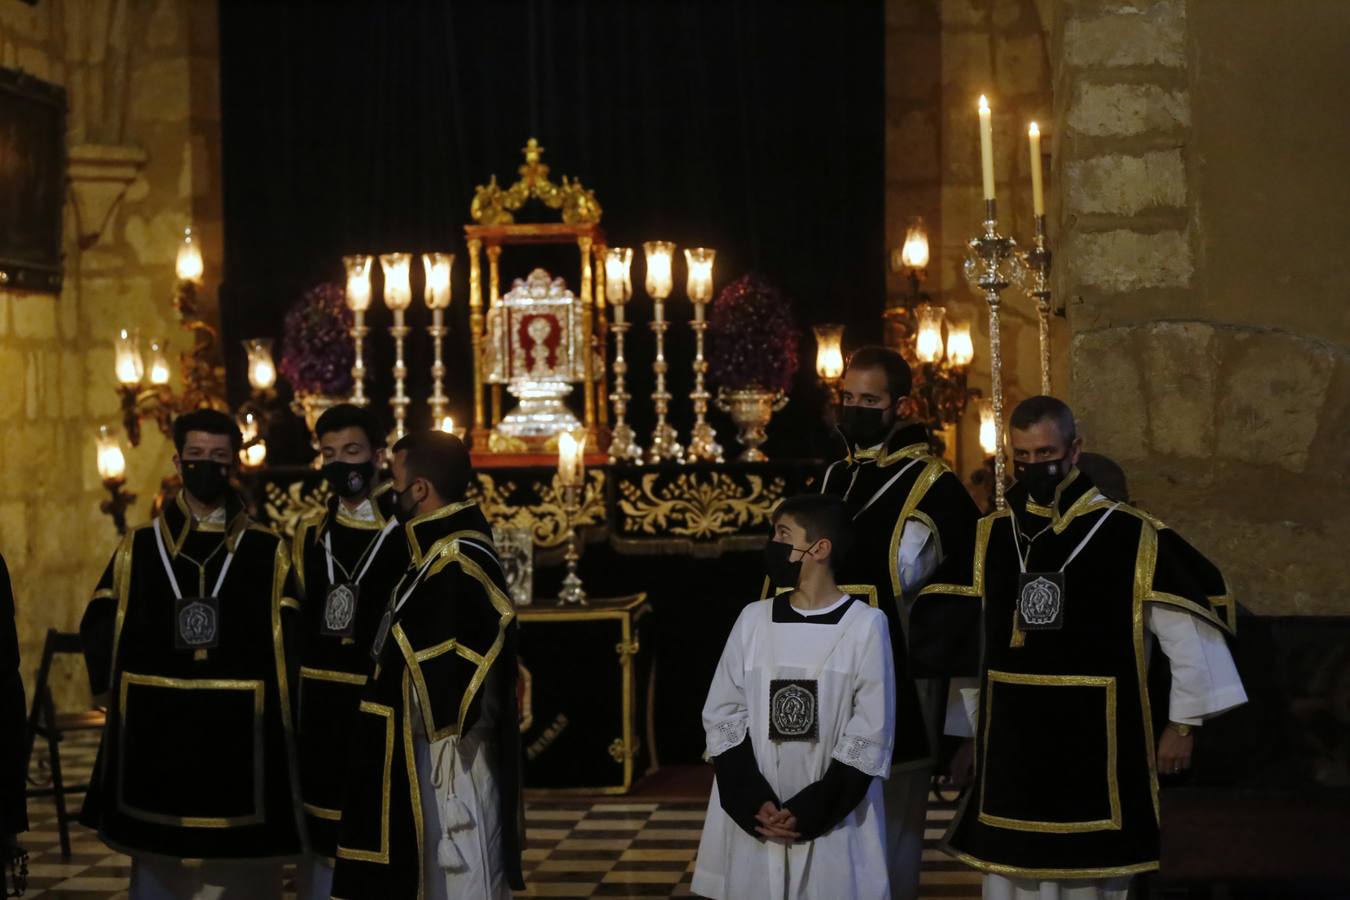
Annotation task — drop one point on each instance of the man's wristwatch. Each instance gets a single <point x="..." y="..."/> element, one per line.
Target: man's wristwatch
<point x="1180" y="729"/>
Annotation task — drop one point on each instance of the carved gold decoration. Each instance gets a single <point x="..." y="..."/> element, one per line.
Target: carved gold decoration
<point x="493" y="206"/>
<point x="286" y="506"/>
<point x="546" y="520"/>
<point x="695" y="505"/>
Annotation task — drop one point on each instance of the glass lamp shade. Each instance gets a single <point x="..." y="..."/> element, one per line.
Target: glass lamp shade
<point x="960" y="347"/>
<point x="189" y="266"/>
<point x="699" y="261"/>
<point x="112" y="463"/>
<point x="254" y="455"/>
<point x="988" y="433"/>
<point x="928" y="340"/>
<point x="358" y="282"/>
<point x="159" y="365"/>
<point x="437" y="266"/>
<point x="829" y="351"/>
<point x="571" y="457"/>
<point x="914" y="253"/>
<point x="397" y="283"/>
<point x="127" y="358"/>
<point x="262" y="371"/>
<point x="618" y="275"/>
<point x="659" y="255"/>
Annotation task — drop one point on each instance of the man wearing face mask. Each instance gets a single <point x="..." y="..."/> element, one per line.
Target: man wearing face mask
<point x="909" y="510"/>
<point x="347" y="559"/>
<point x="1061" y="588"/>
<point x="432" y="800"/>
<point x="184" y="638"/>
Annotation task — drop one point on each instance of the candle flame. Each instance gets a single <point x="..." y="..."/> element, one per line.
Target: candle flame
<point x="1034" y="130"/>
<point x="984" y="103"/>
<point x="447" y="425"/>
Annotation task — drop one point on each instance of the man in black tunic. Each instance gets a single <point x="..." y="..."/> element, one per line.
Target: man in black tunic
<point x="1062" y="590"/>
<point x="13" y="731"/>
<point x="432" y="806"/>
<point x="347" y="560"/>
<point x="909" y="512"/>
<point x="184" y="636"/>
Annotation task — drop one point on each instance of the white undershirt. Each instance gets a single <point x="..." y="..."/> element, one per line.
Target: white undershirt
<point x="362" y="512"/>
<point x="820" y="612"/>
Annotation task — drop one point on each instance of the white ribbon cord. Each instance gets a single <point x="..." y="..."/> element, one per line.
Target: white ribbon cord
<point x="168" y="567"/>
<point x="1022" y="559"/>
<point x="884" y="488"/>
<point x="372" y="552"/>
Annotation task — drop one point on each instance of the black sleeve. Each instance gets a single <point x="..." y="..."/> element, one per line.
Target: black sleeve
<point x="822" y="805"/>
<point x="742" y="786"/>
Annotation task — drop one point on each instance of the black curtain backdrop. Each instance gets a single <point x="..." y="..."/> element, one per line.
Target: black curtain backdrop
<point x="755" y="128"/>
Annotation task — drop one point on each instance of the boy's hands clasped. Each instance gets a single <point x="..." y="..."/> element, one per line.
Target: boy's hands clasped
<point x="776" y="824"/>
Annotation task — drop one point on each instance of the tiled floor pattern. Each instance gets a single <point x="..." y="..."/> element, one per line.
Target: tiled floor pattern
<point x="614" y="847"/>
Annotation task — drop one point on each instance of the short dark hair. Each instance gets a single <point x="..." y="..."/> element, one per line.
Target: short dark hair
<point x="899" y="378"/>
<point x="1040" y="408"/>
<point x="349" y="415"/>
<point x="440" y="458"/>
<point x="821" y="516"/>
<point x="212" y="421"/>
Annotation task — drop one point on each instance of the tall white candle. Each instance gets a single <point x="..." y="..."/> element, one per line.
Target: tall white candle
<point x="1037" y="188"/>
<point x="986" y="148"/>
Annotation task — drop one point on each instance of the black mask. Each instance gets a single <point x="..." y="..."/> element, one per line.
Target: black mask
<point x="206" y="480"/>
<point x="1041" y="478"/>
<point x="864" y="426"/>
<point x="349" y="479"/>
<point x="778" y="564"/>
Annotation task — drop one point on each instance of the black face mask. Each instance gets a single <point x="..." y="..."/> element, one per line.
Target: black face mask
<point x="864" y="426"/>
<point x="778" y="564"/>
<point x="1041" y="478"/>
<point x="205" y="480"/>
<point x="349" y="479"/>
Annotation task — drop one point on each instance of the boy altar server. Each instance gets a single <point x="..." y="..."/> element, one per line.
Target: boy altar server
<point x="800" y="723"/>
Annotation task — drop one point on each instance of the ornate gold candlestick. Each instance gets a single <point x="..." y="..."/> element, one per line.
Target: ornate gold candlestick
<point x="358" y="301"/>
<point x="623" y="445"/>
<point x="571" y="480"/>
<point x="112" y="469"/>
<point x="665" y="440"/>
<point x="437" y="295"/>
<point x="992" y="263"/>
<point x="703" y="444"/>
<point x="398" y="296"/>
<point x="1035" y="280"/>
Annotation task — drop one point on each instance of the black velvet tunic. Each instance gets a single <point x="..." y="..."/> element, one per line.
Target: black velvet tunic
<point x="333" y="669"/>
<point x="196" y="761"/>
<point x="13" y="723"/>
<point x="1066" y="785"/>
<point x="453" y="638"/>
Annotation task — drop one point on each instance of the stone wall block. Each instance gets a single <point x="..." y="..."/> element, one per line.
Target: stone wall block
<point x="1271" y="395"/>
<point x="1124" y="260"/>
<point x="1138" y="34"/>
<point x="967" y="63"/>
<point x="912" y="147"/>
<point x="1116" y="110"/>
<point x="913" y="66"/>
<point x="13" y="390"/>
<point x="1108" y="394"/>
<point x="1180" y="368"/>
<point x="34" y="316"/>
<point x="1021" y="63"/>
<point x="160" y="91"/>
<point x="1125" y="185"/>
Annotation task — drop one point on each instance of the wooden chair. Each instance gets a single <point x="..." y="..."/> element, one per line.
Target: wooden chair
<point x="44" y="721"/>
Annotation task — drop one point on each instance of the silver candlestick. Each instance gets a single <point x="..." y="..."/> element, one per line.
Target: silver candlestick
<point x="358" y="301"/>
<point x="703" y="446"/>
<point x="665" y="440"/>
<point x="572" y="593"/>
<point x="618" y="262"/>
<point x="400" y="399"/>
<point x="1035" y="280"/>
<point x="358" y="333"/>
<point x="992" y="263"/>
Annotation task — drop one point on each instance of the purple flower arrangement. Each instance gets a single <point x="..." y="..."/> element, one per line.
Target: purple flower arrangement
<point x="752" y="337"/>
<point x="316" y="353"/>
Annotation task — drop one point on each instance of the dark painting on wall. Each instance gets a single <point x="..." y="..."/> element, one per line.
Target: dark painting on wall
<point x="32" y="181"/>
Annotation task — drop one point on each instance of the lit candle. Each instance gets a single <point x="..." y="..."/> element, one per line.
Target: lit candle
<point x="397" y="287"/>
<point x="699" y="261"/>
<point x="988" y="434"/>
<point x="928" y="342"/>
<point x="254" y="455"/>
<point x="658" y="268"/>
<point x="159" y="366"/>
<point x="358" y="282"/>
<point x="960" y="347"/>
<point x="571" y="461"/>
<point x="829" y="351"/>
<point x="112" y="463"/>
<point x="447" y="425"/>
<point x="127" y="359"/>
<point x="1037" y="189"/>
<point x="437" y="267"/>
<point x="914" y="253"/>
<point x="618" y="279"/>
<point x="986" y="148"/>
<point x="262" y="371"/>
<point x="189" y="263"/>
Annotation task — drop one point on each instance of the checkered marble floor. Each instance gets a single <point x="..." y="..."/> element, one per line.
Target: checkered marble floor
<point x="613" y="847"/>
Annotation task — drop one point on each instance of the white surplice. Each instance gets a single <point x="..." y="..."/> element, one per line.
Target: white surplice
<point x="854" y="669"/>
